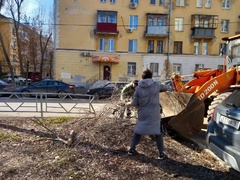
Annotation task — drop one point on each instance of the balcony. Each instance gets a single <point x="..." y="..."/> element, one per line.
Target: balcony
<point x="106" y="22"/>
<point x="203" y="33"/>
<point x="106" y="28"/>
<point x="156" y="31"/>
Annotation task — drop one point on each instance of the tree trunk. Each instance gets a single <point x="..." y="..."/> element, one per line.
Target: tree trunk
<point x="7" y="57"/>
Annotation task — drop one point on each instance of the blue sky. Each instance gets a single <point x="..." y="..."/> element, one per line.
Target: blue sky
<point x="30" y="7"/>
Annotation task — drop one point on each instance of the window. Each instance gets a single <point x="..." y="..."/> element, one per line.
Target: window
<point x="226" y="4"/>
<point x="159" y="47"/>
<point x="224" y="25"/>
<point x="205" y="49"/>
<point x="208" y="4"/>
<point x="162" y="2"/>
<point x="109" y="17"/>
<point x="133" y="22"/>
<point x="196" y="48"/>
<point x="199" y="66"/>
<point x="177" y="68"/>
<point x="132" y="46"/>
<point x="110" y="45"/>
<point x="134" y="1"/>
<point x="179" y="24"/>
<point x="150" y="46"/>
<point x="112" y="17"/>
<point x="131" y="69"/>
<point x="220" y="67"/>
<point x="177" y="49"/>
<point x="154" y="68"/>
<point x="223" y="49"/>
<point x="157" y="21"/>
<point x="103" y="1"/>
<point x="102" y="17"/>
<point x="180" y="2"/>
<point x="198" y="3"/>
<point x="102" y="42"/>
<point x="153" y="2"/>
<point x="112" y="1"/>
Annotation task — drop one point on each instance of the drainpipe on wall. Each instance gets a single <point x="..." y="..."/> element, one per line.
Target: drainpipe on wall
<point x="168" y="49"/>
<point x="55" y="4"/>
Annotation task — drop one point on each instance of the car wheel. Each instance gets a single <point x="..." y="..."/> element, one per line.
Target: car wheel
<point x="25" y="93"/>
<point x="61" y="94"/>
<point x="96" y="96"/>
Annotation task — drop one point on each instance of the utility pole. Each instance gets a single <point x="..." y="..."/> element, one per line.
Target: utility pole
<point x="168" y="49"/>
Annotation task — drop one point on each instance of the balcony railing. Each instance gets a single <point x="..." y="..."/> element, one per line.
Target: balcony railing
<point x="156" y="31"/>
<point x="205" y="33"/>
<point x="106" y="28"/>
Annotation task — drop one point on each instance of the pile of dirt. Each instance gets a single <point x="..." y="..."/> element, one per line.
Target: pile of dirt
<point x="98" y="151"/>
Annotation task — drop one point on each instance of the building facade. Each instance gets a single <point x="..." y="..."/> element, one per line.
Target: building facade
<point x="118" y="39"/>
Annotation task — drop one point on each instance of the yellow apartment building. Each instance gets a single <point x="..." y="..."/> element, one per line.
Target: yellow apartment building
<point x="30" y="44"/>
<point x="118" y="39"/>
<point x="6" y="27"/>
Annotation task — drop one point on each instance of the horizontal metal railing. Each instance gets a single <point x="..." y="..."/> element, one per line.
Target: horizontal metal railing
<point x="46" y="103"/>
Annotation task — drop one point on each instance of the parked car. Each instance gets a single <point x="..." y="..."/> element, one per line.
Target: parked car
<point x="17" y="79"/>
<point x="4" y="87"/>
<point x="47" y="86"/>
<point x="35" y="76"/>
<point x="223" y="134"/>
<point x="105" y="89"/>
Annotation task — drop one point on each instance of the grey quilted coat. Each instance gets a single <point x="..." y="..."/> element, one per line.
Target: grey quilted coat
<point x="146" y="99"/>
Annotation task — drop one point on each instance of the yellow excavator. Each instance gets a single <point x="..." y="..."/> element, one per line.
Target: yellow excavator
<point x="185" y="108"/>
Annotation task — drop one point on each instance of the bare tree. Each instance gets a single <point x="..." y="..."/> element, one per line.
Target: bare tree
<point x="15" y="9"/>
<point x="6" y="56"/>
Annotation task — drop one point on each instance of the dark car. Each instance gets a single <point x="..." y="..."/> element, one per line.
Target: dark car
<point x="105" y="89"/>
<point x="223" y="134"/>
<point x="47" y="86"/>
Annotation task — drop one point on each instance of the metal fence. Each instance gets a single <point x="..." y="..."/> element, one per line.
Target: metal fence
<point x="43" y="103"/>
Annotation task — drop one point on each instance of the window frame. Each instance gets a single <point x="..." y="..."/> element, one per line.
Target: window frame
<point x="162" y="2"/>
<point x="225" y="4"/>
<point x="102" y="44"/>
<point x="204" y="48"/>
<point x="133" y="19"/>
<point x="222" y="28"/>
<point x="132" y="45"/>
<point x="150" y="46"/>
<point x="180" y="3"/>
<point x="134" y="1"/>
<point x="199" y="3"/>
<point x="103" y="1"/>
<point x="159" y="49"/>
<point x="113" y="1"/>
<point x="196" y="46"/>
<point x="154" y="67"/>
<point x="152" y="2"/>
<point x="179" y="24"/>
<point x="177" y="48"/>
<point x="131" y="68"/>
<point x="111" y="45"/>
<point x="177" y="68"/>
<point x="208" y="2"/>
<point x="199" y="66"/>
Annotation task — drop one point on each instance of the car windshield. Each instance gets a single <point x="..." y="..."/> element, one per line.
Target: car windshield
<point x="233" y="100"/>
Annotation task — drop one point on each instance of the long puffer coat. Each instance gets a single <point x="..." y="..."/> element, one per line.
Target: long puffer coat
<point x="146" y="99"/>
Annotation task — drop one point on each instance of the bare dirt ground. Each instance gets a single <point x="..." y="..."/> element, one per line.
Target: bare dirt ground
<point x="98" y="151"/>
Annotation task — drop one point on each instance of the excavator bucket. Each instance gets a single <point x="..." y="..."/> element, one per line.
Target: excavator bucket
<point x="182" y="112"/>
